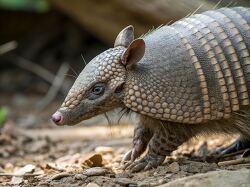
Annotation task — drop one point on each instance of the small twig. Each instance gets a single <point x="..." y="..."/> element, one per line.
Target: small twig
<point x="232" y="154"/>
<point x="246" y="153"/>
<point x="7" y="47"/>
<point x="18" y="175"/>
<point x="60" y="175"/>
<point x="247" y="165"/>
<point x="234" y="162"/>
<point x="55" y="167"/>
<point x="55" y="87"/>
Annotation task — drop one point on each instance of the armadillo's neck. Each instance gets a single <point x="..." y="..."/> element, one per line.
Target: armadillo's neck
<point x="196" y="70"/>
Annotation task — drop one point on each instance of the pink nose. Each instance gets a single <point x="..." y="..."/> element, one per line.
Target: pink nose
<point x="57" y="118"/>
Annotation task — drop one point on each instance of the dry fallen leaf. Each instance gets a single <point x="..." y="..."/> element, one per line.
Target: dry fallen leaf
<point x="29" y="168"/>
<point x="93" y="161"/>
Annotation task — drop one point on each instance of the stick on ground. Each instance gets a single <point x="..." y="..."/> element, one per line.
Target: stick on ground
<point x="235" y="162"/>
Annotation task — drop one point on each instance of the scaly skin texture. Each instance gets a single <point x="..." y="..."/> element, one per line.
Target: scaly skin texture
<point x="104" y="68"/>
<point x="198" y="85"/>
<point x="190" y="78"/>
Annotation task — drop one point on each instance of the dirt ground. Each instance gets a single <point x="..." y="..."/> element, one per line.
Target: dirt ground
<point x="91" y="156"/>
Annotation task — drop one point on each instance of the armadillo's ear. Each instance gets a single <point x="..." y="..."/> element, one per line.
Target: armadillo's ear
<point x="133" y="53"/>
<point x="125" y="37"/>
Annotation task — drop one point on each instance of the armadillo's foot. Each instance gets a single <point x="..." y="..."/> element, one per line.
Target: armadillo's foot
<point x="237" y="145"/>
<point x="131" y="155"/>
<point x="141" y="138"/>
<point x="149" y="161"/>
<point x="138" y="148"/>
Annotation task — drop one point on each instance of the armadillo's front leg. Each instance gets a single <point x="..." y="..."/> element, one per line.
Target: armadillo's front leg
<point x="152" y="159"/>
<point x="142" y="136"/>
<point x="164" y="141"/>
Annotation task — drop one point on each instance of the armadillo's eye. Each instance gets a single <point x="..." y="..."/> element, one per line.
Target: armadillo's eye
<point x="97" y="91"/>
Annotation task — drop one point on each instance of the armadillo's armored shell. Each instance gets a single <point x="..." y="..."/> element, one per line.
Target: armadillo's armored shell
<point x="197" y="69"/>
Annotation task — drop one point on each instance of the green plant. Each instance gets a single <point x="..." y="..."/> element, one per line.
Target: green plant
<point x="3" y="115"/>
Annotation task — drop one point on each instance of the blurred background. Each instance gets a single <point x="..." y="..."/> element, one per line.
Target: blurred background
<point x="44" y="43"/>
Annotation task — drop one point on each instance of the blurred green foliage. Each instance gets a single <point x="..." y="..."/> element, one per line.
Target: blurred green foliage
<point x="3" y="115"/>
<point x="27" y="5"/>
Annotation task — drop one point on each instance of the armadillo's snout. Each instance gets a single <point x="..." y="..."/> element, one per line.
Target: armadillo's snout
<point x="57" y="118"/>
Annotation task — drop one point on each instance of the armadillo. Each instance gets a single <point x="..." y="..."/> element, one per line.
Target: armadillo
<point x="184" y="79"/>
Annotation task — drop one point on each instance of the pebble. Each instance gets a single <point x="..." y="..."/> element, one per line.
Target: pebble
<point x="16" y="180"/>
<point x="9" y="167"/>
<point x="104" y="149"/>
<point x="143" y="184"/>
<point x="95" y="171"/>
<point x="108" y="157"/>
<point x="26" y="169"/>
<point x="125" y="181"/>
<point x="168" y="175"/>
<point x="123" y="175"/>
<point x="174" y="167"/>
<point x="80" y="177"/>
<point x="92" y="184"/>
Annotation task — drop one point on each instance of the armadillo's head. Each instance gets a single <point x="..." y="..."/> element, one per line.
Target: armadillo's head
<point x="99" y="87"/>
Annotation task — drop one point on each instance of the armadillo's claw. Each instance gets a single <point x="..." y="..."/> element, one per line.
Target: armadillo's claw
<point x="141" y="138"/>
<point x="127" y="157"/>
<point x="149" y="161"/>
<point x="126" y="165"/>
<point x="137" y="166"/>
<point x="138" y="148"/>
<point x="131" y="155"/>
